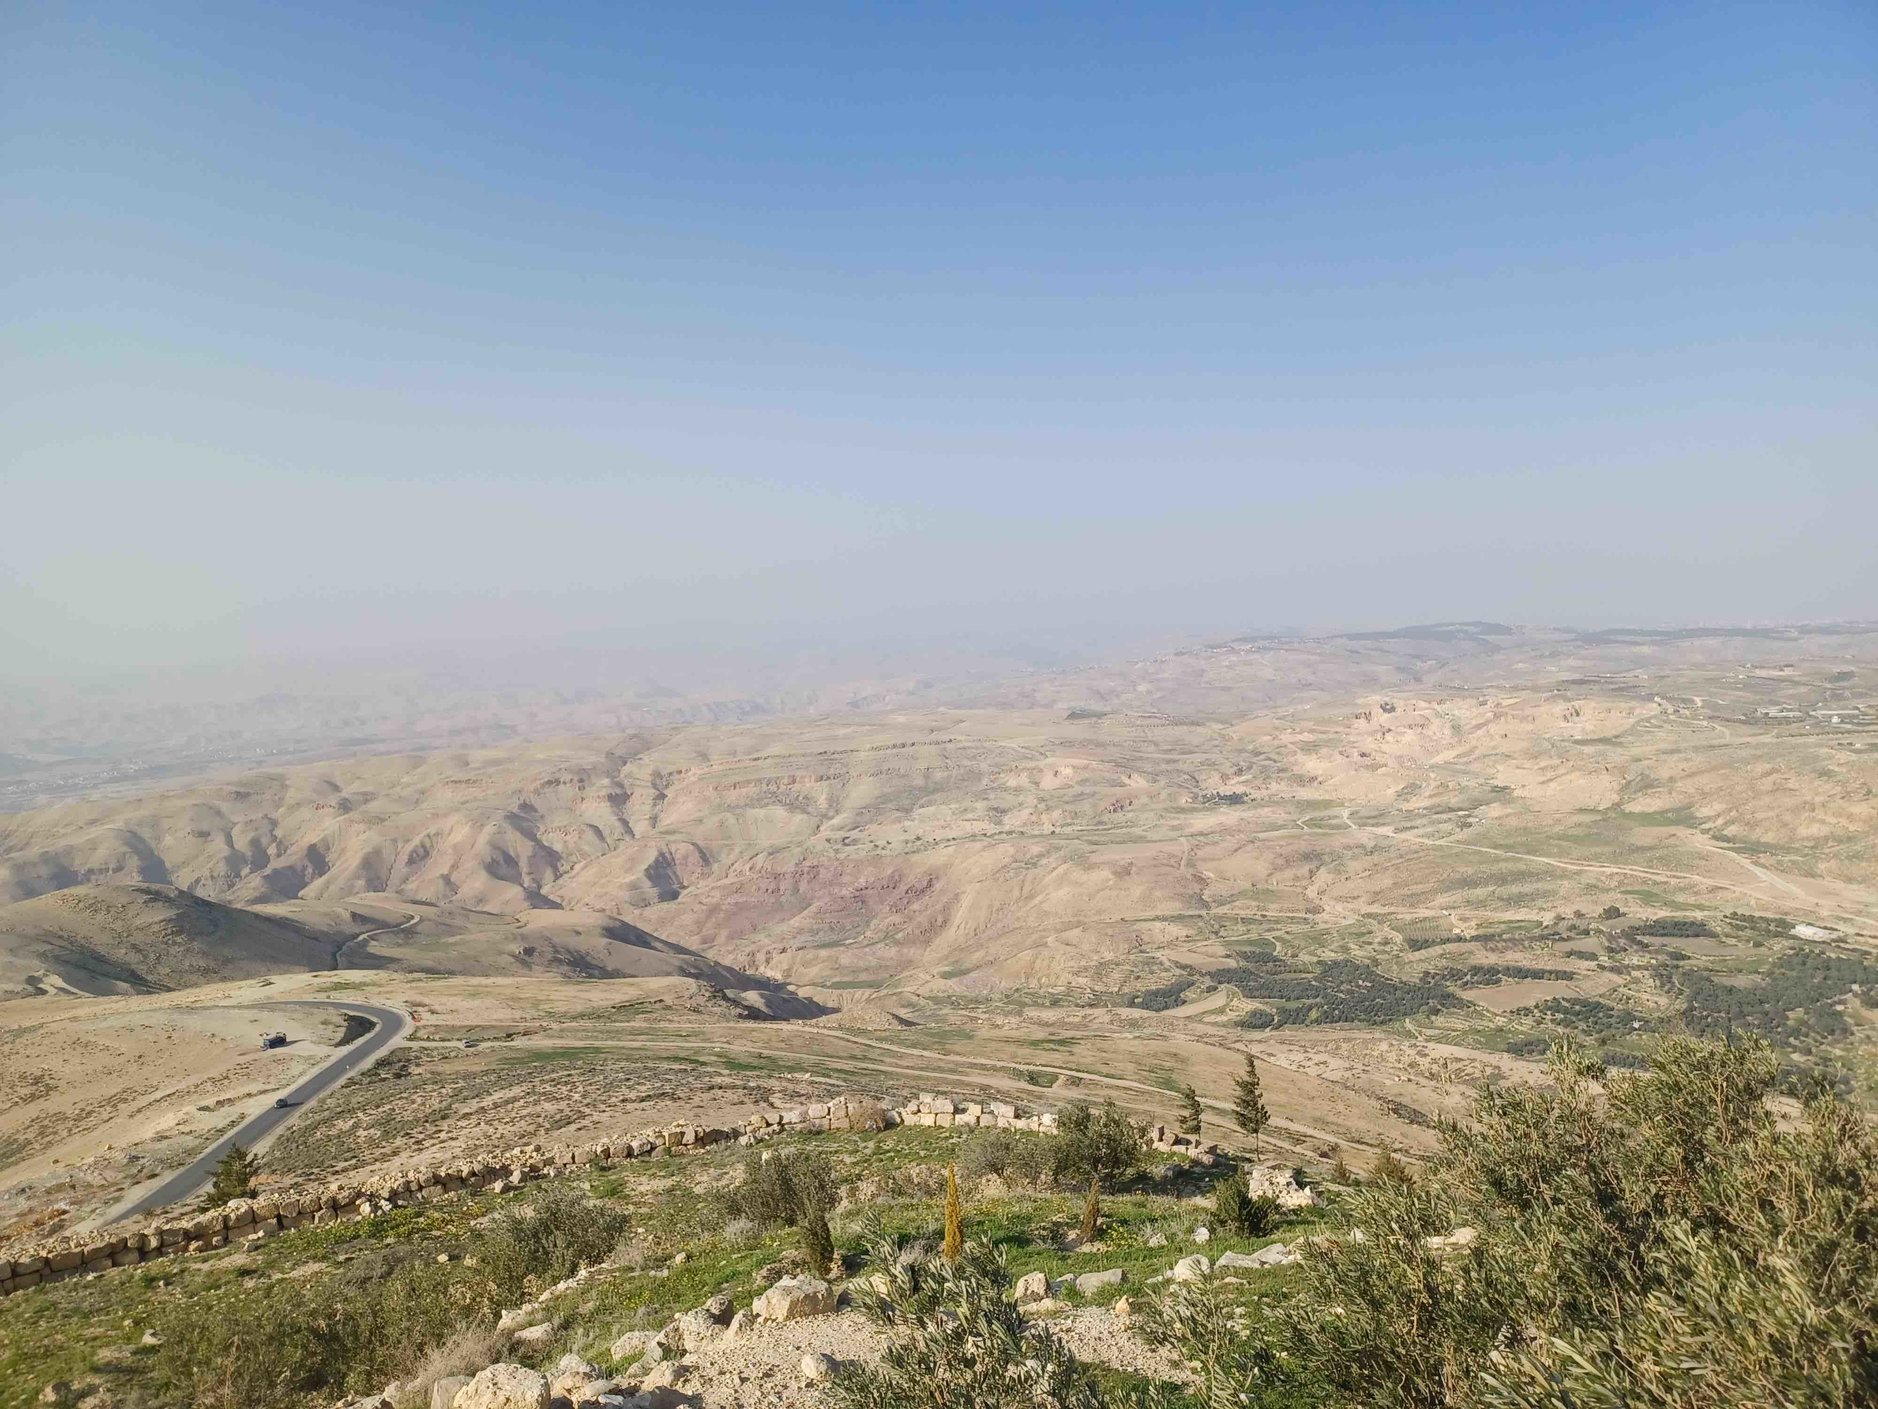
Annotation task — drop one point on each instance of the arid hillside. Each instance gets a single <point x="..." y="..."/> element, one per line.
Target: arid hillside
<point x="978" y="851"/>
<point x="139" y="938"/>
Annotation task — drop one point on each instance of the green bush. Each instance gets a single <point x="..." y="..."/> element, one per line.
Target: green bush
<point x="1235" y="1210"/>
<point x="1094" y="1143"/>
<point x="956" y="1339"/>
<point x="1653" y="1241"/>
<point x="526" y="1248"/>
<point x="794" y="1189"/>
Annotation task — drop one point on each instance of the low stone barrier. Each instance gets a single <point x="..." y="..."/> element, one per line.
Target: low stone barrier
<point x="251" y="1220"/>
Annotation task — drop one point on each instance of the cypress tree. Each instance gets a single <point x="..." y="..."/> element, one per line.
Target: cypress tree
<point x="955" y="1216"/>
<point x="234" y="1176"/>
<point x="1189" y="1110"/>
<point x="1248" y="1103"/>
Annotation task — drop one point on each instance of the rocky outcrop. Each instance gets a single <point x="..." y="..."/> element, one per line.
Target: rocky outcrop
<point x="1279" y="1183"/>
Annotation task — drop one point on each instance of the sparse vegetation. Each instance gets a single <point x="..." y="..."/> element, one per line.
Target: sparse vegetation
<point x="958" y="1340"/>
<point x="1664" y="1243"/>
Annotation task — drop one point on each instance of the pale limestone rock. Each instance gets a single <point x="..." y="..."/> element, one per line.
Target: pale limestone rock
<point x="504" y="1387"/>
<point x="794" y="1298"/>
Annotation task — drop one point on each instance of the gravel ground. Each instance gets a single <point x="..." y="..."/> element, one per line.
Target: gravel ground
<point x="762" y="1365"/>
<point x="1098" y="1335"/>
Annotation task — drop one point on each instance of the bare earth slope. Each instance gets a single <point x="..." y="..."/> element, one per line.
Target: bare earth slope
<point x="143" y="938"/>
<point x="979" y="851"/>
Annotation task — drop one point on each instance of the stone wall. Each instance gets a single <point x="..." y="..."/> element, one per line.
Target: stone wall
<point x="251" y="1220"/>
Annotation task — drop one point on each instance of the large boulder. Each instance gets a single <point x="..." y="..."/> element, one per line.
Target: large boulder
<point x="1279" y="1183"/>
<point x="504" y="1387"/>
<point x="794" y="1298"/>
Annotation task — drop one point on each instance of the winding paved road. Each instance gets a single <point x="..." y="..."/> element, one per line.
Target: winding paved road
<point x="393" y="1024"/>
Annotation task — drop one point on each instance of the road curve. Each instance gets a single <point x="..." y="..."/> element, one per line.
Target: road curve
<point x="393" y="1024"/>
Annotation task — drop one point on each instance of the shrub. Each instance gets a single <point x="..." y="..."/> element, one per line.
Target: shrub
<point x="795" y="1189"/>
<point x="318" y="1336"/>
<point x="537" y="1244"/>
<point x="1235" y="1209"/>
<point x="1095" y="1144"/>
<point x="1660" y="1243"/>
<point x="957" y="1339"/>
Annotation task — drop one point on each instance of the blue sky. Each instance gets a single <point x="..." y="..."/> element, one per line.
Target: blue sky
<point x="459" y="325"/>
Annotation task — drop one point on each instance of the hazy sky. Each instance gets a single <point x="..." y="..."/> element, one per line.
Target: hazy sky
<point x="349" y="326"/>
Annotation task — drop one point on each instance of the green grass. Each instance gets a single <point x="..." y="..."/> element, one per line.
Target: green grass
<point x="88" y="1330"/>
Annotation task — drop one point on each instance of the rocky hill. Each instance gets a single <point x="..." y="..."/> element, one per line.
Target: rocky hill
<point x="146" y="937"/>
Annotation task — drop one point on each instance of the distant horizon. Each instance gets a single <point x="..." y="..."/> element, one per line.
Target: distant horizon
<point x="346" y="330"/>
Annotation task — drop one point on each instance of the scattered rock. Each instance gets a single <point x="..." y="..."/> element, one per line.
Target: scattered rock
<point x="794" y="1298"/>
<point x="818" y="1367"/>
<point x="1032" y="1286"/>
<point x="1191" y="1268"/>
<point x="1157" y="1240"/>
<point x="443" y="1392"/>
<point x="1095" y="1283"/>
<point x="534" y="1337"/>
<point x="504" y="1387"/>
<point x="570" y="1373"/>
<point x="1462" y="1237"/>
<point x="631" y="1346"/>
<point x="719" y="1307"/>
<point x="1124" y="1307"/>
<point x="1049" y="1306"/>
<point x="690" y="1331"/>
<point x="1203" y="1234"/>
<point x="739" y="1323"/>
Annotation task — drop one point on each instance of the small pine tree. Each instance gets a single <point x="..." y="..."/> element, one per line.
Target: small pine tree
<point x="1091" y="1212"/>
<point x="1189" y="1110"/>
<point x="1235" y="1210"/>
<point x="1248" y="1104"/>
<point x="234" y="1176"/>
<point x="955" y="1216"/>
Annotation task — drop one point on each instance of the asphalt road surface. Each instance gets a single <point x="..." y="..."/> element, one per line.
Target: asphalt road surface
<point x="392" y="1027"/>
